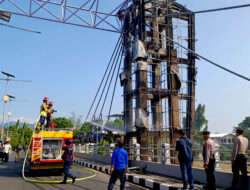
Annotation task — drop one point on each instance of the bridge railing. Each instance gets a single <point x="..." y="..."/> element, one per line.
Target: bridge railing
<point x="163" y="155"/>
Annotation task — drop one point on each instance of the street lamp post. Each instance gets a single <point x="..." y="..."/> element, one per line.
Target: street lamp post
<point x="9" y="114"/>
<point x="5" y="98"/>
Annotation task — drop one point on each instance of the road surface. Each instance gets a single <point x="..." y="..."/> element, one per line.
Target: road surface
<point x="11" y="179"/>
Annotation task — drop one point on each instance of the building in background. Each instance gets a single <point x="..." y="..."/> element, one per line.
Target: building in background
<point x="224" y="139"/>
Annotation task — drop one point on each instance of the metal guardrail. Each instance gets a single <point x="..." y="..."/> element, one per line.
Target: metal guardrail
<point x="154" y="154"/>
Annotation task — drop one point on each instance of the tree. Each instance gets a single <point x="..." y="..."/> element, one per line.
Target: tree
<point x="86" y="127"/>
<point x="117" y="124"/>
<point x="22" y="134"/>
<point x="225" y="155"/>
<point x="245" y="124"/>
<point x="200" y="124"/>
<point x="62" y="122"/>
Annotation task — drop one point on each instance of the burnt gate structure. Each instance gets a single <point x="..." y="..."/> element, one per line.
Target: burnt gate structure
<point x="158" y="77"/>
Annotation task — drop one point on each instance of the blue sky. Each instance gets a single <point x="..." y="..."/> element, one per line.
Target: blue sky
<point x="66" y="64"/>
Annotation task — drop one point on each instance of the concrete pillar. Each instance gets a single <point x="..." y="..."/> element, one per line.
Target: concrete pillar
<point x="79" y="147"/>
<point x="166" y="153"/>
<point x="87" y="149"/>
<point x="107" y="150"/>
<point x="217" y="157"/>
<point x="137" y="151"/>
<point x="74" y="147"/>
<point x="95" y="148"/>
<point x="111" y="148"/>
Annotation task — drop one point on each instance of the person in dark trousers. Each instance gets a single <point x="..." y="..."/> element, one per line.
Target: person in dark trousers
<point x="209" y="160"/>
<point x="67" y="159"/>
<point x="239" y="160"/>
<point x="1" y="150"/>
<point x="7" y="148"/>
<point x="185" y="157"/>
<point x="119" y="166"/>
<point x="18" y="151"/>
<point x="49" y="115"/>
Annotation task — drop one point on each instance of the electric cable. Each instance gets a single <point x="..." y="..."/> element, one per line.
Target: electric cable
<point x="116" y="63"/>
<point x="115" y="87"/>
<point x="103" y="79"/>
<point x="191" y="51"/>
<point x="204" y="11"/>
<point x="55" y="181"/>
<point x="19" y="28"/>
<point x="106" y="82"/>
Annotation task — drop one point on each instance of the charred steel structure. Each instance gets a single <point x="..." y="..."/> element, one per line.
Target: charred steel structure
<point x="158" y="77"/>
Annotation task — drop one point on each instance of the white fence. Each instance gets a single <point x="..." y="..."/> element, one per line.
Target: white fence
<point x="163" y="154"/>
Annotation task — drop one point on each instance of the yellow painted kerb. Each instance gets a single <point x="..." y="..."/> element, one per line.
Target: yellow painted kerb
<point x="54" y="134"/>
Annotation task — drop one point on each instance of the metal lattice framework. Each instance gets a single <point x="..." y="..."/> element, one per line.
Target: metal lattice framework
<point x="84" y="13"/>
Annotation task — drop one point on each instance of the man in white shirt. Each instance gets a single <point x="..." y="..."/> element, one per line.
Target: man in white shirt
<point x="7" y="148"/>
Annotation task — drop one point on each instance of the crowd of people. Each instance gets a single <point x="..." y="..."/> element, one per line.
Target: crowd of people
<point x="6" y="148"/>
<point x="238" y="159"/>
<point x="4" y="151"/>
<point x="119" y="161"/>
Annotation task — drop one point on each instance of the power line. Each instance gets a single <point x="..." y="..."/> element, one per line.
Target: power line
<point x="191" y="51"/>
<point x="111" y="103"/>
<point x="116" y="46"/>
<point x="205" y="11"/>
<point x="19" y="28"/>
<point x="120" y="55"/>
<point x="107" y="79"/>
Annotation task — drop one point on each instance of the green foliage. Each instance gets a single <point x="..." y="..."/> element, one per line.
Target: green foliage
<point x="22" y="135"/>
<point x="63" y="123"/>
<point x="75" y="133"/>
<point x="110" y="137"/>
<point x="245" y="124"/>
<point x="225" y="155"/>
<point x="86" y="127"/>
<point x="201" y="124"/>
<point x="117" y="124"/>
<point x="101" y="150"/>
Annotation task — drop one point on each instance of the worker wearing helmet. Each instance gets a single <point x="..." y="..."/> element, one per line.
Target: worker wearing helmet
<point x="50" y="111"/>
<point x="67" y="159"/>
<point x="43" y="112"/>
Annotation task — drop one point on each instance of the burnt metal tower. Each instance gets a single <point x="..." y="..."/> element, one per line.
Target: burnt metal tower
<point x="158" y="77"/>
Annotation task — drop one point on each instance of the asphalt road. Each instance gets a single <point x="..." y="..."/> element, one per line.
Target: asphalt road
<point x="11" y="179"/>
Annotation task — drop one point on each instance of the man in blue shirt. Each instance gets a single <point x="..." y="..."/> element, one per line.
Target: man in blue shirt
<point x="119" y="163"/>
<point x="184" y="145"/>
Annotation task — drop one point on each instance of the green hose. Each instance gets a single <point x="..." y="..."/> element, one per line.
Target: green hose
<point x="37" y="181"/>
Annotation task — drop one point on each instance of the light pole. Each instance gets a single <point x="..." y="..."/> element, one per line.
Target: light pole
<point x="9" y="113"/>
<point x="5" y="99"/>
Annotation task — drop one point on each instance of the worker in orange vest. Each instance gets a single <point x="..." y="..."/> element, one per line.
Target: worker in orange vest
<point x="49" y="114"/>
<point x="43" y="113"/>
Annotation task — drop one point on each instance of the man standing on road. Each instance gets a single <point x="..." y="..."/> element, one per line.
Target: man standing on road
<point x="209" y="160"/>
<point x="1" y="151"/>
<point x="239" y="160"/>
<point x="67" y="159"/>
<point x="18" y="151"/>
<point x="185" y="157"/>
<point x="7" y="148"/>
<point x="119" y="166"/>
